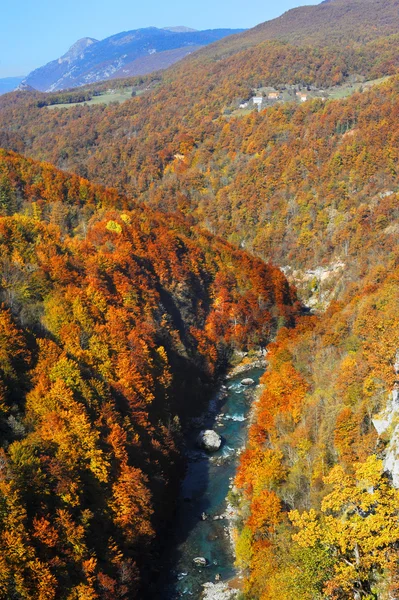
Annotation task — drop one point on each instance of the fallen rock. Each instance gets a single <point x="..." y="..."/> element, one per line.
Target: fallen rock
<point x="210" y="440"/>
<point x="204" y="516"/>
<point x="218" y="591"/>
<point x="248" y="381"/>
<point x="200" y="561"/>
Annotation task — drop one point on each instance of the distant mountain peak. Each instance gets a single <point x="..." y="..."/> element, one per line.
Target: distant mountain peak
<point x="77" y="50"/>
<point x="180" y="29"/>
<point x="124" y="54"/>
<point x="25" y="87"/>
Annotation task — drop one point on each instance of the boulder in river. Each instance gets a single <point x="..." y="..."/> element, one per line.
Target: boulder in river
<point x="247" y="381"/>
<point x="200" y="561"/>
<point x="210" y="440"/>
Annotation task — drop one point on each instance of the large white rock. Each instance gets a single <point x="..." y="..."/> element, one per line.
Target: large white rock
<point x="200" y="561"/>
<point x="209" y="440"/>
<point x="247" y="381"/>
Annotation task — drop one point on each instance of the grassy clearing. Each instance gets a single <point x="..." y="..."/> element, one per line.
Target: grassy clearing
<point x="343" y="91"/>
<point x="107" y="98"/>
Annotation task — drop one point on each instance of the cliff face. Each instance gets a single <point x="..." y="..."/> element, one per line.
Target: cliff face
<point x="387" y="426"/>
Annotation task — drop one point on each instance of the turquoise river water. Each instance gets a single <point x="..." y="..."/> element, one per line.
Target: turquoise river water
<point x="204" y="490"/>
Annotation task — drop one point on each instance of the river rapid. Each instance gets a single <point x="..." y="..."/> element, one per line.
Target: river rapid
<point x="202" y="525"/>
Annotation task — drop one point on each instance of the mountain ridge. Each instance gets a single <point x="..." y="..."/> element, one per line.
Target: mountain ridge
<point x="330" y="23"/>
<point x="89" y="60"/>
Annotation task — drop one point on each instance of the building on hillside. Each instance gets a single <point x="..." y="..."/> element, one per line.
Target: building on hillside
<point x="273" y="96"/>
<point x="257" y="100"/>
<point x="302" y="97"/>
<point x="243" y="104"/>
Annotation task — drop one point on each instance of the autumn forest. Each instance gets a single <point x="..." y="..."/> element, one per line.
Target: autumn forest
<point x="144" y="245"/>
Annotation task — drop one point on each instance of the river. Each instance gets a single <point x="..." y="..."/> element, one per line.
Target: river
<point x="204" y="490"/>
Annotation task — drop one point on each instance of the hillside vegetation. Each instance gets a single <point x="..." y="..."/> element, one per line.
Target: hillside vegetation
<point x="304" y="184"/>
<point x="112" y="324"/>
<point x="119" y="308"/>
<point x="319" y="517"/>
<point x="330" y="23"/>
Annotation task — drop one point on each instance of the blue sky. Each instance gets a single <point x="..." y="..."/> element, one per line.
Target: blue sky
<point x="33" y="32"/>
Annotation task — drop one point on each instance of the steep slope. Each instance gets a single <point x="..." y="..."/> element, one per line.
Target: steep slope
<point x="307" y="184"/>
<point x="154" y="62"/>
<point x="90" y="60"/>
<point x="331" y="23"/>
<point x="312" y="185"/>
<point x="318" y="511"/>
<point x="108" y="338"/>
<point x="45" y="77"/>
<point x="132" y="146"/>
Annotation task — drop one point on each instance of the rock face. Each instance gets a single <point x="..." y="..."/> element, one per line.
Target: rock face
<point x="387" y="424"/>
<point x="247" y="381"/>
<point x="209" y="440"/>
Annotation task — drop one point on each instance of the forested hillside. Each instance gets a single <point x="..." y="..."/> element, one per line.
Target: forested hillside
<point x="112" y="294"/>
<point x="131" y="144"/>
<point x="319" y="515"/>
<point x="307" y="185"/>
<point x="112" y="324"/>
<point x="329" y="23"/>
<point x="301" y="183"/>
